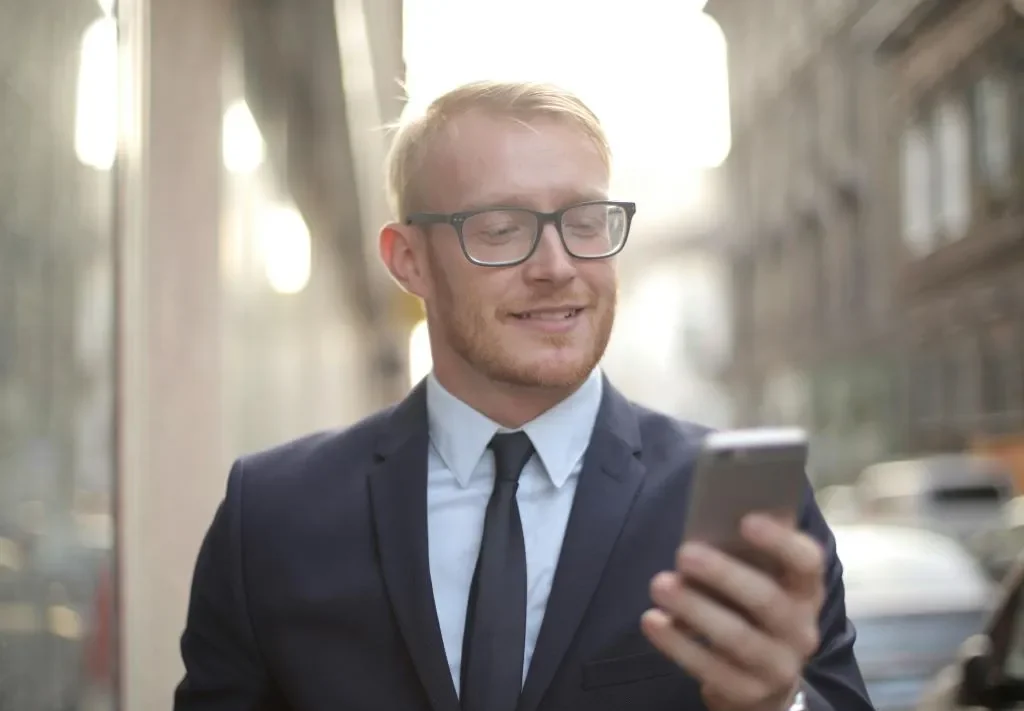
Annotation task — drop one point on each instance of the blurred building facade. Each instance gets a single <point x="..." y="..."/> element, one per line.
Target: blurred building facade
<point x="831" y="295"/>
<point x="805" y="228"/>
<point x="57" y="362"/>
<point x="187" y="274"/>
<point x="958" y="71"/>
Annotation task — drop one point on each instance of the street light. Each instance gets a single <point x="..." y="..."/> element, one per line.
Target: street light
<point x="96" y="99"/>
<point x="242" y="143"/>
<point x="286" y="246"/>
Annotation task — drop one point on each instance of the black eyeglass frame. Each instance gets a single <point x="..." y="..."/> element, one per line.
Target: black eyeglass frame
<point x="458" y="219"/>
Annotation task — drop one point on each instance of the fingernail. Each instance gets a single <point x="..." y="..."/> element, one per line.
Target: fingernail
<point x="655" y="620"/>
<point x="665" y="582"/>
<point x="755" y="523"/>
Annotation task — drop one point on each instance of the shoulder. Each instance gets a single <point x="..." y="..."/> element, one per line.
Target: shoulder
<point x="658" y="429"/>
<point x="301" y="462"/>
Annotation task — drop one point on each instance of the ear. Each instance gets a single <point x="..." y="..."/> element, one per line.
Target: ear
<point x="401" y="251"/>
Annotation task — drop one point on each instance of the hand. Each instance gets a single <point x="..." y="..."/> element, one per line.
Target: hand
<point x="752" y="657"/>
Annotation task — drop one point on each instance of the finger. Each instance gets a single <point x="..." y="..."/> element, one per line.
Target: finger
<point x="727" y="632"/>
<point x="755" y="593"/>
<point x="735" y="686"/>
<point x="800" y="556"/>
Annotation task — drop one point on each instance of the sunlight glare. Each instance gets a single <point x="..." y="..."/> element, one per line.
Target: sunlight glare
<point x="96" y="108"/>
<point x="656" y="75"/>
<point x="287" y="250"/>
<point x="420" y="361"/>
<point x="243" y="146"/>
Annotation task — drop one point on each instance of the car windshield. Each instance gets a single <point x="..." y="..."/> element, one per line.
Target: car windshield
<point x="887" y="643"/>
<point x="976" y="494"/>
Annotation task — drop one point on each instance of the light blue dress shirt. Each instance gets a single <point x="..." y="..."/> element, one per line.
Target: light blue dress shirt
<point x="460" y="478"/>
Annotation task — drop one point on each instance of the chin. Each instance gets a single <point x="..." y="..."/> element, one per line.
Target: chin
<point x="554" y="371"/>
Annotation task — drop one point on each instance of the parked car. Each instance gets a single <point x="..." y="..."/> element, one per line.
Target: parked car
<point x="913" y="596"/>
<point x="960" y="495"/>
<point x="839" y="504"/>
<point x="1000" y="548"/>
<point x="989" y="671"/>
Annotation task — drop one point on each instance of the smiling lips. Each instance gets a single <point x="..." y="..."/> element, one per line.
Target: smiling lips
<point x="558" y="314"/>
<point x="553" y="321"/>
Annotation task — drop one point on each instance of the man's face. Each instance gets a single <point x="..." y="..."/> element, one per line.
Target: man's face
<point x="542" y="323"/>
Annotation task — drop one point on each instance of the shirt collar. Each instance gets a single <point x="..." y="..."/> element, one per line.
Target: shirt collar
<point x="560" y="436"/>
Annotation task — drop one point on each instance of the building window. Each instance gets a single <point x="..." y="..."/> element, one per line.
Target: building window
<point x="919" y="216"/>
<point x="993" y="134"/>
<point x="994" y="393"/>
<point x="1007" y="63"/>
<point x="956" y="384"/>
<point x="860" y="262"/>
<point x="779" y="292"/>
<point x="762" y="295"/>
<point x="926" y="387"/>
<point x="1017" y="73"/>
<point x="745" y="301"/>
<point x="954" y="167"/>
<point x="818" y="265"/>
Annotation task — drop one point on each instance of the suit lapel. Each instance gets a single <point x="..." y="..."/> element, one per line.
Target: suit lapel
<point x="398" y="494"/>
<point x="608" y="485"/>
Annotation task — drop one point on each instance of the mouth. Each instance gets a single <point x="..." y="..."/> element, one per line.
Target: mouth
<point x="560" y="314"/>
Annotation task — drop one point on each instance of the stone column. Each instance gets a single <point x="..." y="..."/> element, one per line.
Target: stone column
<point x="171" y="469"/>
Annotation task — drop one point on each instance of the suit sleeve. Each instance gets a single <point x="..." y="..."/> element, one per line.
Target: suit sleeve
<point x="223" y="667"/>
<point x="832" y="679"/>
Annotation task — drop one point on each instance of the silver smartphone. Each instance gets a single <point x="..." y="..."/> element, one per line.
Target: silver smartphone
<point x="741" y="472"/>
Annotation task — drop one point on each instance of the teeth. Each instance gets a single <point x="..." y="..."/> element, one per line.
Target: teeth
<point x="548" y="315"/>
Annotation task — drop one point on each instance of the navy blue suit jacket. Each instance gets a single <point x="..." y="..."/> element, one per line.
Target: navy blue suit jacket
<point x="312" y="588"/>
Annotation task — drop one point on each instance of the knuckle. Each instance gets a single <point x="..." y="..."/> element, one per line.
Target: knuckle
<point x="809" y="640"/>
<point x="736" y="638"/>
<point x="786" y="672"/>
<point x="752" y="692"/>
<point x="772" y="606"/>
<point x="815" y="557"/>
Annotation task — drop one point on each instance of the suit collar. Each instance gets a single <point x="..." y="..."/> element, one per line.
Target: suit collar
<point x="560" y="436"/>
<point x="609" y="482"/>
<point x="615" y="418"/>
<point x="398" y="500"/>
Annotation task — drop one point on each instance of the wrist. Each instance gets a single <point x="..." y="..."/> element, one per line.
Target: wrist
<point x="797" y="700"/>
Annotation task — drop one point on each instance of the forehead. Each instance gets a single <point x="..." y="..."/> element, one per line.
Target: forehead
<point x="482" y="160"/>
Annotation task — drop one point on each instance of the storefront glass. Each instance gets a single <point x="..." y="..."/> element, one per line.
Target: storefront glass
<point x="58" y="103"/>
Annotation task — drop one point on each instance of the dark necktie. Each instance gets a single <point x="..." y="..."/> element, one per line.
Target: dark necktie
<point x="495" y="632"/>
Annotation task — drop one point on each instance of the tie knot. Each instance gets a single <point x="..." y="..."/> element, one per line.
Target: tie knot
<point x="511" y="453"/>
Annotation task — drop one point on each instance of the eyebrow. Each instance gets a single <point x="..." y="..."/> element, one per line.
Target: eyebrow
<point x="517" y="201"/>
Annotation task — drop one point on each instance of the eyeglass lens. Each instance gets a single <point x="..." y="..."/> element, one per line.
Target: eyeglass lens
<point x="588" y="231"/>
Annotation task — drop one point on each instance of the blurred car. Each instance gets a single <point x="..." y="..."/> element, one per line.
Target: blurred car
<point x="55" y="626"/>
<point x="989" y="670"/>
<point x="959" y="495"/>
<point x="839" y="504"/>
<point x="1000" y="548"/>
<point x="913" y="596"/>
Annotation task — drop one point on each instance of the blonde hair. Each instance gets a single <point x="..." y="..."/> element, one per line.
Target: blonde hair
<point x="522" y="101"/>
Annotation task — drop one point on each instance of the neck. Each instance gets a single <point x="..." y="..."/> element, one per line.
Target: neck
<point x="509" y="405"/>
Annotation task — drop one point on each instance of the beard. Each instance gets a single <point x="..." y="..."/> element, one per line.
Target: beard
<point x="477" y="339"/>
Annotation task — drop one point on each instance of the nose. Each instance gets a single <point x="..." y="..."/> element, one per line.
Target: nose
<point x="550" y="262"/>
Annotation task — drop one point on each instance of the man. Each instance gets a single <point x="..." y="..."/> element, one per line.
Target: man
<point x="506" y="537"/>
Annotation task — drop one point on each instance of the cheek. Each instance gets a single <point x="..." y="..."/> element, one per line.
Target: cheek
<point x="600" y="277"/>
<point x="467" y="286"/>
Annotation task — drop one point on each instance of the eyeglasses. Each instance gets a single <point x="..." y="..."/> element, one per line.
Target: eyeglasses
<point x="507" y="236"/>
